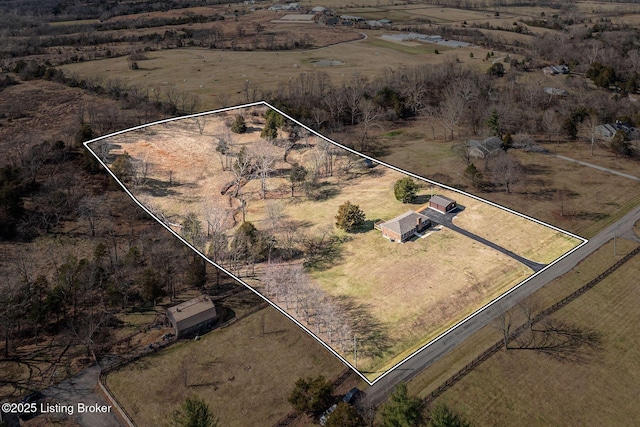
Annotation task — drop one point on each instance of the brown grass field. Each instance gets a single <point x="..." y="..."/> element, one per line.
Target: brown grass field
<point x="233" y="369"/>
<point x="554" y="291"/>
<point x="386" y="279"/>
<point x="218" y="76"/>
<point x="595" y="198"/>
<point x="599" y="389"/>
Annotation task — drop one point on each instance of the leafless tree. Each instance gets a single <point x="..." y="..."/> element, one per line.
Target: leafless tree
<point x="370" y="113"/>
<point x="89" y="208"/>
<point x="588" y="130"/>
<point x="265" y="156"/>
<point x="225" y="146"/>
<point x="201" y="123"/>
<point x="353" y="95"/>
<point x="503" y="324"/>
<point x="530" y="307"/>
<point x="551" y="124"/>
<point x="506" y="171"/>
<point x="451" y="111"/>
<point x="274" y="210"/>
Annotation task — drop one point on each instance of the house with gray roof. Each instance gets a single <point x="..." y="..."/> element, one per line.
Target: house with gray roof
<point x="481" y="149"/>
<point x="192" y="317"/>
<point x="404" y="226"/>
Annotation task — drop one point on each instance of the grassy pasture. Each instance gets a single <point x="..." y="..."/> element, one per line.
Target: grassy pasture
<point x="414" y="290"/>
<point x="589" y="268"/>
<point x="218" y="76"/>
<point x="601" y="389"/>
<point x="411" y="48"/>
<point x="233" y="369"/>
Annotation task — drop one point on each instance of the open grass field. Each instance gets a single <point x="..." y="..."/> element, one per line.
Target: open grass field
<point x="413" y="291"/>
<point x="554" y="291"/>
<point x="599" y="389"/>
<point x="218" y="76"/>
<point x="233" y="369"/>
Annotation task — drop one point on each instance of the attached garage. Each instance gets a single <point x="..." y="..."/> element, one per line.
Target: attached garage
<point x="442" y="204"/>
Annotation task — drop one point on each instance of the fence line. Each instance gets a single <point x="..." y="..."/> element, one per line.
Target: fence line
<point x="102" y="379"/>
<point x="517" y="332"/>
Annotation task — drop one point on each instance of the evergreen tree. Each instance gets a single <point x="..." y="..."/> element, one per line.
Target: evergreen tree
<point x="239" y="125"/>
<point x="311" y="394"/>
<point x="194" y="412"/>
<point x="196" y="274"/>
<point x="349" y="217"/>
<point x="494" y="123"/>
<point x="405" y="190"/>
<point x="442" y="416"/>
<point x="473" y="174"/>
<point x="402" y="410"/>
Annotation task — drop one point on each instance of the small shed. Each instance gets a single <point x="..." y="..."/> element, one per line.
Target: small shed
<point x="192" y="317"/>
<point x="442" y="204"/>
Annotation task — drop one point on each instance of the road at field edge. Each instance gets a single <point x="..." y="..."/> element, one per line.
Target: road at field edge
<point x="377" y="393"/>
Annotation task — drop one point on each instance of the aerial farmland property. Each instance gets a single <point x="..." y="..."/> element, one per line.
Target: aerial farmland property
<point x="258" y="194"/>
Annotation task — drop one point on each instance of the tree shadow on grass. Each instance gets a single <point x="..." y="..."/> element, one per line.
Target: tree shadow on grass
<point x="372" y="336"/>
<point x="366" y="226"/>
<point x="561" y="341"/>
<point x="159" y="188"/>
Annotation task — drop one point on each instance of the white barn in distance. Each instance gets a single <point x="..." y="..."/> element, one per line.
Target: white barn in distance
<point x="193" y="316"/>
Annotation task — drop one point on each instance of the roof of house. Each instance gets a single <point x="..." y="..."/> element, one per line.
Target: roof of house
<point x="441" y="200"/>
<point x="193" y="312"/>
<point x="404" y="223"/>
<point x="487" y="145"/>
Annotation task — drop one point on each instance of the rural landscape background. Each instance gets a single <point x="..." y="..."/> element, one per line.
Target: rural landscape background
<point x="87" y="275"/>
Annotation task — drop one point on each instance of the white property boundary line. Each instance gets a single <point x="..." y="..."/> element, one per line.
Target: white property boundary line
<point x="264" y="103"/>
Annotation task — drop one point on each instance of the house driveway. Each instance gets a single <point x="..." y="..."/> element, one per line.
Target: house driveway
<point x="446" y="220"/>
<point x="81" y="389"/>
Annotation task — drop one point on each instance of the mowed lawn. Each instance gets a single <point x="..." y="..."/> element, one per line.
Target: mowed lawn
<point x="244" y="372"/>
<point x="524" y="387"/>
<point x="420" y="288"/>
<point x="520" y="235"/>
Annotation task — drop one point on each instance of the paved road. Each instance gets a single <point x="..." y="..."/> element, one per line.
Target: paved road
<point x="377" y="393"/>
<point x="615" y="172"/>
<point x="82" y="389"/>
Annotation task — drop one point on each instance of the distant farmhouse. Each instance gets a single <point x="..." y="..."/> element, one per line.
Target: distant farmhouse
<point x="482" y="149"/>
<point x="609" y="130"/>
<point x="351" y="18"/>
<point x="287" y="6"/>
<point x="442" y="204"/>
<point x="552" y="70"/>
<point x="404" y="226"/>
<point x="192" y="317"/>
